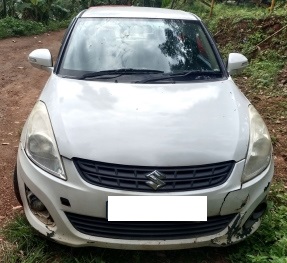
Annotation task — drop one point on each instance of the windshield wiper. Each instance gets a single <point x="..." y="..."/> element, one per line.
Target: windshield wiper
<point x="119" y="72"/>
<point x="195" y="74"/>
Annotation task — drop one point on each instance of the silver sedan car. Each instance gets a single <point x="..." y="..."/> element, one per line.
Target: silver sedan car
<point x="140" y="139"/>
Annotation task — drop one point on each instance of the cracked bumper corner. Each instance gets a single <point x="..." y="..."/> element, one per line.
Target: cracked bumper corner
<point x="235" y="233"/>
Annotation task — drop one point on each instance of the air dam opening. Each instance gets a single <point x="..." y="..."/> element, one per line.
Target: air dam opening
<point x="257" y="213"/>
<point x="38" y="208"/>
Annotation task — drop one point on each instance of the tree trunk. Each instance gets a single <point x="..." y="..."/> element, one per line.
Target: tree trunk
<point x="172" y="4"/>
<point x="272" y="5"/>
<point x="4" y="8"/>
<point x="211" y="8"/>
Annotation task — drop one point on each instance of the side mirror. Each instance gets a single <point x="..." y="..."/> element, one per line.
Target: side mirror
<point x="42" y="59"/>
<point x="236" y="63"/>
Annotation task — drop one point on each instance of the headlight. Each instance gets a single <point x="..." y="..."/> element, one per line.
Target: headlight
<point x="40" y="144"/>
<point x="259" y="151"/>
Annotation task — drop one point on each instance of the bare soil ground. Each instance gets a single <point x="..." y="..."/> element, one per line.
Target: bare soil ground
<point x="21" y="84"/>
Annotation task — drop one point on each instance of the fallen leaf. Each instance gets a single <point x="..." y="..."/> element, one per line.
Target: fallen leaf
<point x="17" y="207"/>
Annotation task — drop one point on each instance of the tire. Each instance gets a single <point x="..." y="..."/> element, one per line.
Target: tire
<point x="16" y="186"/>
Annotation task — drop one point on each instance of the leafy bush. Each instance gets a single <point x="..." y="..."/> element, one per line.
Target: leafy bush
<point x="165" y="3"/>
<point x="14" y="27"/>
<point x="10" y="27"/>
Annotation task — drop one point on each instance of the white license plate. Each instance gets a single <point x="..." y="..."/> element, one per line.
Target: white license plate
<point x="157" y="208"/>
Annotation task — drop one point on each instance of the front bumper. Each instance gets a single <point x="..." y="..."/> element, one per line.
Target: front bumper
<point x="232" y="197"/>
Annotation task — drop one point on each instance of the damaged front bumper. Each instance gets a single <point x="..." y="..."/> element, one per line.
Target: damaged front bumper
<point x="245" y="200"/>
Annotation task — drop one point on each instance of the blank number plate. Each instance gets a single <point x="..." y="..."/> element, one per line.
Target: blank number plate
<point x="157" y="208"/>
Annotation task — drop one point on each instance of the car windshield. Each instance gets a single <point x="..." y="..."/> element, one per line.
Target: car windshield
<point x="132" y="48"/>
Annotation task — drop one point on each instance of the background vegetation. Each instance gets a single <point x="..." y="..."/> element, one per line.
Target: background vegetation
<point x="26" y="17"/>
<point x="243" y="28"/>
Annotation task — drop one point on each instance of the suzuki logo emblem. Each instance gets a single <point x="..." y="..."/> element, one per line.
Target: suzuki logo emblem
<point x="155" y="181"/>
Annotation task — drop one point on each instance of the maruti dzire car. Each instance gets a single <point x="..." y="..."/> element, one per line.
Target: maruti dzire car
<point x="141" y="104"/>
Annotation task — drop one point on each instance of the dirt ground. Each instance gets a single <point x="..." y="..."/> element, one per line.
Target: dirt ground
<point x="21" y="84"/>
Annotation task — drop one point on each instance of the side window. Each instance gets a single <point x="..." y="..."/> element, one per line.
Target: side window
<point x="200" y="46"/>
<point x="206" y="54"/>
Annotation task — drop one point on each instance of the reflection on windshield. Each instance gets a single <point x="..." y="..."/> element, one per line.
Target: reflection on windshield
<point x="99" y="44"/>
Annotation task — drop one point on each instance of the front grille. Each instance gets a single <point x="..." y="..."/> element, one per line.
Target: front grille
<point x="133" y="178"/>
<point x="94" y="226"/>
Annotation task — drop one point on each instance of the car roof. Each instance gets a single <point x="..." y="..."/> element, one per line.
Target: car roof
<point x="137" y="12"/>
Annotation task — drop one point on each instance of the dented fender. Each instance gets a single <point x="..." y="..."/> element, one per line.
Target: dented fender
<point x="234" y="201"/>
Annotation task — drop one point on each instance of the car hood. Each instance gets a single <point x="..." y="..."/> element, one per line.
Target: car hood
<point x="148" y="124"/>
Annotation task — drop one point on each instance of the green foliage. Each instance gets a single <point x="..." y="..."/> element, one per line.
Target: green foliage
<point x="165" y="3"/>
<point x="235" y="14"/>
<point x="46" y="10"/>
<point x="40" y="10"/>
<point x="197" y="8"/>
<point x="28" y="248"/>
<point x="24" y="245"/>
<point x="56" y="25"/>
<point x="10" y="27"/>
<point x="264" y="71"/>
<point x="14" y="27"/>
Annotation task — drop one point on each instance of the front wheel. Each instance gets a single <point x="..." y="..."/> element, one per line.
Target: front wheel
<point x="16" y="186"/>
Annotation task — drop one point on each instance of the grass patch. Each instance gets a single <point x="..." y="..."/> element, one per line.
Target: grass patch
<point x="263" y="72"/>
<point x="236" y="14"/>
<point x="22" y="244"/>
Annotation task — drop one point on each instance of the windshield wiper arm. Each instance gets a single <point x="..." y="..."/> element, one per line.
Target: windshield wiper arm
<point x="119" y="72"/>
<point x="196" y="74"/>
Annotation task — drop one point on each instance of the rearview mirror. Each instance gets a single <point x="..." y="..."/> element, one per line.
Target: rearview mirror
<point x="236" y="63"/>
<point x="42" y="59"/>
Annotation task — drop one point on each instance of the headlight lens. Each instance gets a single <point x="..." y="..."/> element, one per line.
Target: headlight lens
<point x="40" y="145"/>
<point x="260" y="148"/>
